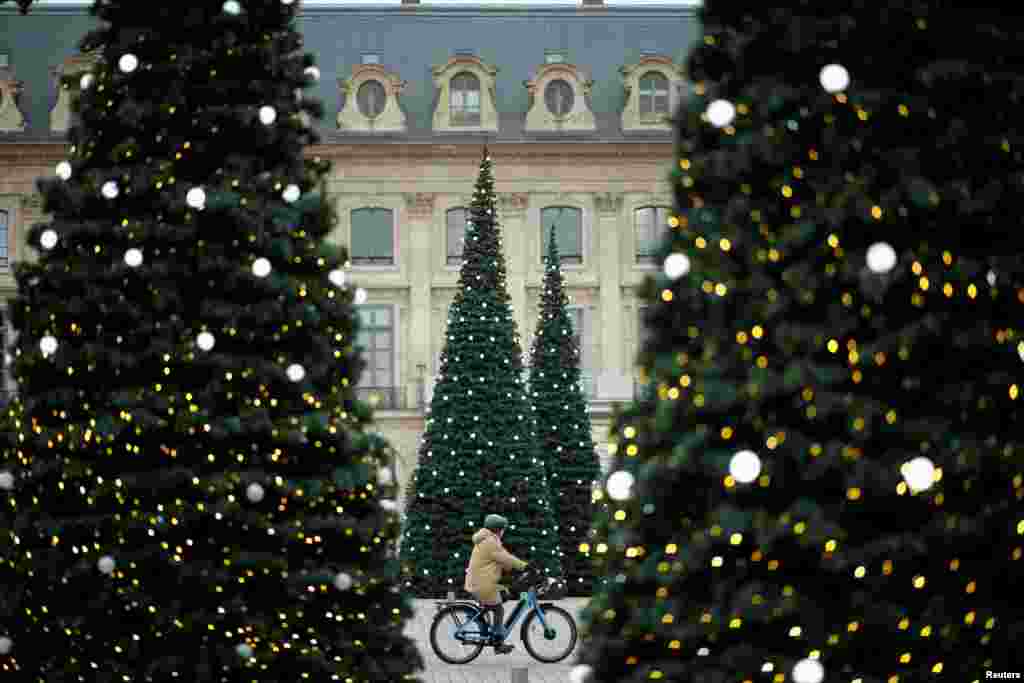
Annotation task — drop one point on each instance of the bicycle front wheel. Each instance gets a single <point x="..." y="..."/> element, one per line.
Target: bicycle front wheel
<point x="554" y="643"/>
<point x="443" y="635"/>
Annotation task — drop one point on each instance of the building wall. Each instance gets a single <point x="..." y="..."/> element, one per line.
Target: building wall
<point x="420" y="182"/>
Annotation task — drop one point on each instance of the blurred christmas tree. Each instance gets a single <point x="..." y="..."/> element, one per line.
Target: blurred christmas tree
<point x="192" y="496"/>
<point x="828" y="483"/>
<point x="563" y="424"/>
<point x="478" y="454"/>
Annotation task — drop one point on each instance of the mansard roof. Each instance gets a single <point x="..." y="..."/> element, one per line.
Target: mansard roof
<point x="409" y="42"/>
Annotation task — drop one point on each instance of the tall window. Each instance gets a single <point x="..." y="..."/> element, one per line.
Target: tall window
<point x="568" y="222"/>
<point x="7" y="386"/>
<point x="653" y="94"/>
<point x="373" y="238"/>
<point x="457" y="219"/>
<point x="464" y="104"/>
<point x="5" y="222"/>
<point x="371" y="97"/>
<point x="377" y="338"/>
<point x="651" y="226"/>
<point x="559" y="97"/>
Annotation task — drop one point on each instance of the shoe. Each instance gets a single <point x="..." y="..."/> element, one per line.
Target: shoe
<point x="503" y="649"/>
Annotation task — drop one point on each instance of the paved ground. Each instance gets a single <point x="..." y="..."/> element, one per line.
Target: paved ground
<point x="489" y="667"/>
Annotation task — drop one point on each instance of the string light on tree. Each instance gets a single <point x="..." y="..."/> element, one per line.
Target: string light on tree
<point x="1020" y="350"/>
<point x="86" y="81"/>
<point x="244" y="650"/>
<point x="312" y="72"/>
<point x="128" y="63"/>
<point x="360" y="297"/>
<point x="196" y="198"/>
<point x="106" y="565"/>
<point x="620" y="485"/>
<point x="267" y="115"/>
<point x="337" y="277"/>
<point x="919" y="473"/>
<point x="291" y="193"/>
<point x="808" y="671"/>
<point x="205" y="341"/>
<point x="261" y="267"/>
<point x="254" y="492"/>
<point x="342" y="581"/>
<point x="677" y="265"/>
<point x="881" y="257"/>
<point x="232" y="7"/>
<point x="295" y="372"/>
<point x="133" y="257"/>
<point x="48" y="240"/>
<point x="834" y="78"/>
<point x="580" y="673"/>
<point x="6" y="645"/>
<point x="64" y="170"/>
<point x="48" y="345"/>
<point x="745" y="466"/>
<point x="721" y="113"/>
<point x="110" y="189"/>
<point x="6" y="480"/>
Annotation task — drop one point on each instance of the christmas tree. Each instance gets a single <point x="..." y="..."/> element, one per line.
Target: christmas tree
<point x="563" y="424"/>
<point x="192" y="495"/>
<point x="827" y="485"/>
<point x="479" y="451"/>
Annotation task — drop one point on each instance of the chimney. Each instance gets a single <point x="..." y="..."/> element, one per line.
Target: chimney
<point x="410" y="3"/>
<point x="593" y="4"/>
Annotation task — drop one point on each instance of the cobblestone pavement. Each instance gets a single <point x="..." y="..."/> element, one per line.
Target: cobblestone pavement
<point x="489" y="667"/>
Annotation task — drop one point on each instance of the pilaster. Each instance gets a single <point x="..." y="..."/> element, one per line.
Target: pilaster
<point x="419" y="214"/>
<point x="512" y="215"/>
<point x="609" y="217"/>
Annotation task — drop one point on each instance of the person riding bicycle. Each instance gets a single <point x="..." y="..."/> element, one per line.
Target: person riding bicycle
<point x="483" y="574"/>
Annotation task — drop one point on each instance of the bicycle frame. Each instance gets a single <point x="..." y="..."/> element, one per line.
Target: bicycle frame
<point x="526" y="605"/>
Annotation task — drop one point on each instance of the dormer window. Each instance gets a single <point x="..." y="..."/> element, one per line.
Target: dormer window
<point x="11" y="118"/>
<point x="554" y="57"/>
<point x="371" y="58"/>
<point x="559" y="97"/>
<point x="653" y="87"/>
<point x="465" y="100"/>
<point x="371" y="98"/>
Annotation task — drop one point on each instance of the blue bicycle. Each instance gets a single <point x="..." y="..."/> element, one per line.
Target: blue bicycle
<point x="461" y="630"/>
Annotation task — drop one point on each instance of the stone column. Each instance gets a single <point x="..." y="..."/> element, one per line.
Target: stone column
<point x="512" y="215"/>
<point x="613" y="324"/>
<point x="419" y="214"/>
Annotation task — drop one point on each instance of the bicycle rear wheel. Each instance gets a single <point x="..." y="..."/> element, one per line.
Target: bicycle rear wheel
<point x="554" y="643"/>
<point x="442" y="634"/>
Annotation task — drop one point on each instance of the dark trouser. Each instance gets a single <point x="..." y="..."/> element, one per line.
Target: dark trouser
<point x="498" y="619"/>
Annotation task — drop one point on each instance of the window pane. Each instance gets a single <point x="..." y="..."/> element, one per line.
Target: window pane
<point x="568" y="229"/>
<point x="371" y="98"/>
<point x="382" y="340"/>
<point x="372" y="236"/>
<point x="473" y="100"/>
<point x="456" y="233"/>
<point x="661" y="104"/>
<point x="559" y="97"/>
<point x="382" y="317"/>
<point x="4" y="225"/>
<point x="646" y="104"/>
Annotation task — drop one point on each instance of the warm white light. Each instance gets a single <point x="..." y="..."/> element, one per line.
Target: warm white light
<point x="312" y="72"/>
<point x="990" y="277"/>
<point x="1020" y="350"/>
<point x="48" y="240"/>
<point x="881" y="257"/>
<point x="360" y="297"/>
<point x="106" y="565"/>
<point x="205" y="341"/>
<point x="196" y="198"/>
<point x="63" y="170"/>
<point x="620" y="485"/>
<point x="6" y="480"/>
<point x="580" y="673"/>
<point x="834" y="78"/>
<point x="244" y="650"/>
<point x="110" y="189"/>
<point x="295" y="372"/>
<point x="721" y="113"/>
<point x="677" y="265"/>
<point x="388" y="505"/>
<point x="261" y="267"/>
<point x="745" y="466"/>
<point x="133" y="257"/>
<point x="232" y="7"/>
<point x="48" y="345"/>
<point x="291" y="193"/>
<point x="254" y="493"/>
<point x="128" y="63"/>
<point x="6" y="644"/>
<point x="267" y="115"/>
<point x="342" y="581"/>
<point x="808" y="671"/>
<point x="919" y="473"/>
<point x="337" y="277"/>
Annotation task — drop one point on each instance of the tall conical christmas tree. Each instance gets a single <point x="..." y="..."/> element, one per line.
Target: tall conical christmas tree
<point x="479" y="452"/>
<point x="563" y="424"/>
<point x="828" y="485"/>
<point x="191" y="495"/>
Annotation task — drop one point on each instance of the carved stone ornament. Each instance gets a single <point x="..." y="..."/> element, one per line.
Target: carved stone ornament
<point x="32" y="202"/>
<point x="572" y="109"/>
<point x="513" y="202"/>
<point x="11" y="117"/>
<point x="608" y="202"/>
<point x="371" y="101"/>
<point x="634" y="116"/>
<point x="420" y="203"/>
<point x="60" y="116"/>
<point x="485" y="75"/>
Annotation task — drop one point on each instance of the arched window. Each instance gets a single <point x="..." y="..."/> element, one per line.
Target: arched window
<point x="653" y="94"/>
<point x="651" y="226"/>
<point x="376" y="338"/>
<point x="5" y="223"/>
<point x="464" y="101"/>
<point x="559" y="97"/>
<point x="373" y="238"/>
<point x="457" y="219"/>
<point x="371" y="98"/>
<point x="568" y="222"/>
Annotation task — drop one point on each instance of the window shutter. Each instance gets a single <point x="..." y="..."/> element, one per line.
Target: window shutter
<point x="372" y="236"/>
<point x="5" y="222"/>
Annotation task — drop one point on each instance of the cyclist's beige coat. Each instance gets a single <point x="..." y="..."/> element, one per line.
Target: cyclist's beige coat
<point x="485" y="565"/>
